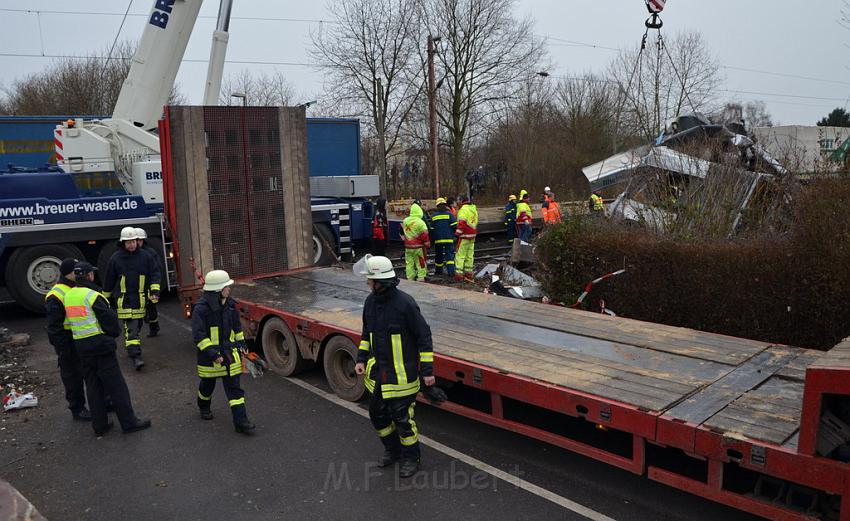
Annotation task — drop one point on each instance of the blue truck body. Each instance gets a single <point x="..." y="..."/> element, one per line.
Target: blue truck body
<point x="45" y="212"/>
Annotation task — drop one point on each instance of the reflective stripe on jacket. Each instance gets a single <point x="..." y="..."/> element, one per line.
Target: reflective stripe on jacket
<point x="395" y="344"/>
<point x="131" y="276"/>
<point x="443" y="225"/>
<point x="58" y="291"/>
<point x="79" y="312"/>
<point x="523" y="213"/>
<point x="467" y="221"/>
<point x="217" y="332"/>
<point x="415" y="230"/>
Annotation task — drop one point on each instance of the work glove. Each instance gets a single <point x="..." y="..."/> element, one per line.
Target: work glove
<point x="435" y="394"/>
<point x="154" y="296"/>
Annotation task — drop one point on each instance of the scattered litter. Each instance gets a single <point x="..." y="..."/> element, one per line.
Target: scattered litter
<point x="14" y="400"/>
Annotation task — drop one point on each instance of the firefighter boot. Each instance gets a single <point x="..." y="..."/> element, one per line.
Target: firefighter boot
<point x="138" y="363"/>
<point x="245" y="427"/>
<point x="392" y="450"/>
<point x="408" y="468"/>
<point x="204" y="406"/>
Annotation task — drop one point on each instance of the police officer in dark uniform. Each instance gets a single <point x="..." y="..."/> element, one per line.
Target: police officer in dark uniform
<point x="132" y="277"/>
<point x="395" y="349"/>
<point x="217" y="332"/>
<point x="59" y="334"/>
<point x="443" y="226"/>
<point x="94" y="326"/>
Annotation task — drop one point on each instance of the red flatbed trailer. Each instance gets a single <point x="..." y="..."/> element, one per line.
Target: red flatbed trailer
<point x="717" y="416"/>
<point x="737" y="421"/>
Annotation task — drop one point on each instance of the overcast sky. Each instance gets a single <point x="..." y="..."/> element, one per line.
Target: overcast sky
<point x="799" y="46"/>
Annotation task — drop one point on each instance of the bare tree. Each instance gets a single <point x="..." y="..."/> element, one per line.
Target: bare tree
<point x="486" y="57"/>
<point x="262" y="89"/>
<point x="753" y="114"/>
<point x="372" y="63"/>
<point x="85" y="85"/>
<point x="665" y="79"/>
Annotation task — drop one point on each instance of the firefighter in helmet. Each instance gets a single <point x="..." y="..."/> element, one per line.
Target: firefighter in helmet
<point x="395" y="351"/>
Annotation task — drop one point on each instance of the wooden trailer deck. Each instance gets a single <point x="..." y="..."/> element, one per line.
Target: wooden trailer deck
<point x="738" y="387"/>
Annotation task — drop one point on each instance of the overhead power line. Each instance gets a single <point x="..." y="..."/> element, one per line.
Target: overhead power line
<point x="785" y="75"/>
<point x="190" y="60"/>
<point x="103" y="13"/>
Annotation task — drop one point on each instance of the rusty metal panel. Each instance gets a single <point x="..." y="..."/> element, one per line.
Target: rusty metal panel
<point x="242" y="197"/>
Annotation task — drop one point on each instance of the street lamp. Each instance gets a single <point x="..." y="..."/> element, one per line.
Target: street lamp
<point x="432" y="113"/>
<point x="240" y="95"/>
<point x="307" y="104"/>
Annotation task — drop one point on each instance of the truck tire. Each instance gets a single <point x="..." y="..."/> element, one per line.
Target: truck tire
<point x="33" y="270"/>
<point x="323" y="238"/>
<point x="281" y="349"/>
<point x="339" y="359"/>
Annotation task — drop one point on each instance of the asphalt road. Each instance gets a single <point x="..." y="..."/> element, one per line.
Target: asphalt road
<point x="310" y="458"/>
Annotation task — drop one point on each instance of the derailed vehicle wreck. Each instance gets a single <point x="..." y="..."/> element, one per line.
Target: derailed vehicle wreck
<point x="697" y="178"/>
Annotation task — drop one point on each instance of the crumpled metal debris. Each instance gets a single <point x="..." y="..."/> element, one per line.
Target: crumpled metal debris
<point x="508" y="281"/>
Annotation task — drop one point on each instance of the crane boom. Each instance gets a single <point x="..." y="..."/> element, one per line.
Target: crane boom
<point x="217" y="53"/>
<point x="155" y="64"/>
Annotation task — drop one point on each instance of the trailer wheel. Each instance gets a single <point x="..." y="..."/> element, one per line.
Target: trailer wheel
<point x="281" y="349"/>
<point x="339" y="359"/>
<point x="32" y="271"/>
<point x="323" y="239"/>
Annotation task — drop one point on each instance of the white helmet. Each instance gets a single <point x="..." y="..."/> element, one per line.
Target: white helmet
<point x="128" y="233"/>
<point x="375" y="267"/>
<point x="547" y="189"/>
<point x="217" y="280"/>
<point x="141" y="233"/>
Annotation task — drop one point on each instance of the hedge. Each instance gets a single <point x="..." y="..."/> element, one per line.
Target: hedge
<point x="790" y="289"/>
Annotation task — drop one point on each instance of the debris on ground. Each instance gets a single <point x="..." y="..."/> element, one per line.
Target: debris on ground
<point x="692" y="163"/>
<point x="487" y="271"/>
<point x="508" y="281"/>
<point x="15" y="400"/>
<point x="13" y="354"/>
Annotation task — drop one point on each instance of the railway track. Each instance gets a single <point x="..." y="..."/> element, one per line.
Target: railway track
<point x="481" y="255"/>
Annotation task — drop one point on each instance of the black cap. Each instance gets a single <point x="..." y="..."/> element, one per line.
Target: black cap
<point x="84" y="268"/>
<point x="67" y="266"/>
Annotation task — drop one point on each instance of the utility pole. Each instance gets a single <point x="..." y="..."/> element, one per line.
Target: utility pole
<point x="379" y="102"/>
<point x="432" y="115"/>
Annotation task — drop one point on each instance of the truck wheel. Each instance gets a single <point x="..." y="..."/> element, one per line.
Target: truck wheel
<point x="323" y="238"/>
<point x="339" y="359"/>
<point x="281" y="349"/>
<point x="33" y="270"/>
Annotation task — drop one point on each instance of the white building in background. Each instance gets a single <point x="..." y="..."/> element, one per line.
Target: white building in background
<point x="805" y="149"/>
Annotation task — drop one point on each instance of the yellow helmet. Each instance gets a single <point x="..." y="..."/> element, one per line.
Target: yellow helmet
<point x="440" y="200"/>
<point x="512" y="197"/>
